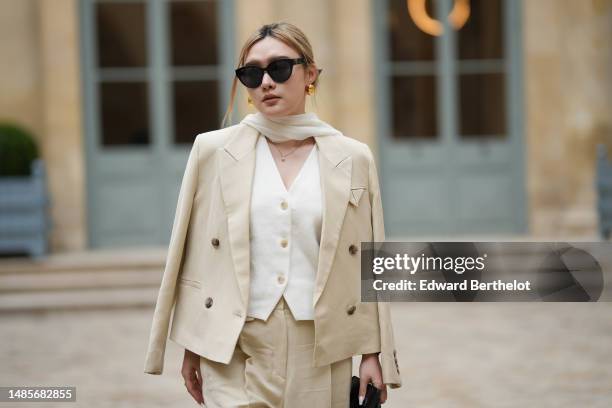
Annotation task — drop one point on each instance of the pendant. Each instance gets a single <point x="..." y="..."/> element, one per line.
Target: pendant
<point x="282" y="159"/>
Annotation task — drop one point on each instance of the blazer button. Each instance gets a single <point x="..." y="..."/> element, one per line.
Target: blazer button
<point x="215" y="242"/>
<point x="353" y="249"/>
<point x="208" y="303"/>
<point x="351" y="309"/>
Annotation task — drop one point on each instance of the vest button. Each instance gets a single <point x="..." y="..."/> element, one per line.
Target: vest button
<point x="208" y="303"/>
<point x="215" y="242"/>
<point x="351" y="309"/>
<point x="353" y="249"/>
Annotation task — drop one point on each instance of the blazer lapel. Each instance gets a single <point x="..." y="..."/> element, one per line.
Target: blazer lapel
<point x="335" y="167"/>
<point x="236" y="167"/>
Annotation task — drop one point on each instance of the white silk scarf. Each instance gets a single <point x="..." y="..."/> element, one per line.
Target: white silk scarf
<point x="290" y="127"/>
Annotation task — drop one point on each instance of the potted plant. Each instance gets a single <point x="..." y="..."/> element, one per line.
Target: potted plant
<point x="24" y="220"/>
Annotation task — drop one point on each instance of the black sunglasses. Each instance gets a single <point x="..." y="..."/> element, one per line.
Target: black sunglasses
<point x="279" y="70"/>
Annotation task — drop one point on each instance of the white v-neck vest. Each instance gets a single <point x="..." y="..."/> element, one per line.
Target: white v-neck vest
<point x="285" y="233"/>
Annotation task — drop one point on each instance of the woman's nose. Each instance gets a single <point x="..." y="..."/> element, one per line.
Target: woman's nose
<point x="267" y="82"/>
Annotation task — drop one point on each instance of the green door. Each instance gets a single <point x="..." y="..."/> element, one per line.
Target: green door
<point x="450" y="119"/>
<point x="155" y="74"/>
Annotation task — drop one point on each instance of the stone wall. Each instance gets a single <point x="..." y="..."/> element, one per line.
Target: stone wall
<point x="568" y="91"/>
<point x="41" y="91"/>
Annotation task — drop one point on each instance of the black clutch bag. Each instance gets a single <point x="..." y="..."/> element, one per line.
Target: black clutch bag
<point x="372" y="397"/>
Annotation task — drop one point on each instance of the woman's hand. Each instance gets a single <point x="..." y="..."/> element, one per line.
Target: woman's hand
<point x="370" y="370"/>
<point x="192" y="375"/>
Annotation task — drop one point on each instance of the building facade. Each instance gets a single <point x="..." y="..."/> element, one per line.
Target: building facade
<point x="484" y="114"/>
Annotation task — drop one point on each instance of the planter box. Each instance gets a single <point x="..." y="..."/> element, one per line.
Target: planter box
<point x="604" y="192"/>
<point x="24" y="220"/>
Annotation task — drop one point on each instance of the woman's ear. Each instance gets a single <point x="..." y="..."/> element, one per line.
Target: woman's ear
<point x="313" y="73"/>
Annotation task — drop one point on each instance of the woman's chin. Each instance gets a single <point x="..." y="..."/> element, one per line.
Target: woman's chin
<point x="274" y="110"/>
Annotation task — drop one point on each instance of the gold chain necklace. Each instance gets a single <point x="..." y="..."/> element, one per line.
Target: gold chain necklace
<point x="281" y="153"/>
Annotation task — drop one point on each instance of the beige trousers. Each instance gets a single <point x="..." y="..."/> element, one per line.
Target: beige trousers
<point x="272" y="367"/>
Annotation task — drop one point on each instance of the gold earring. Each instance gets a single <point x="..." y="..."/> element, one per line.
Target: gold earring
<point x="250" y="101"/>
<point x="310" y="90"/>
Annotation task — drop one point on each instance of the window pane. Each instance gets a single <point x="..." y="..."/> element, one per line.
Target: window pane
<point x="196" y="109"/>
<point x="481" y="36"/>
<point x="483" y="107"/>
<point x="194" y="32"/>
<point x="414" y="106"/>
<point x="121" y="34"/>
<point x="407" y="41"/>
<point x="125" y="119"/>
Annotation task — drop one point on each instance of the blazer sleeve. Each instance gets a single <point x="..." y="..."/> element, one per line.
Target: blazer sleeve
<point x="388" y="355"/>
<point x="154" y="360"/>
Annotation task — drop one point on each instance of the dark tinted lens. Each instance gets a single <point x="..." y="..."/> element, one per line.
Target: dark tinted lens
<point x="280" y="70"/>
<point x="250" y="76"/>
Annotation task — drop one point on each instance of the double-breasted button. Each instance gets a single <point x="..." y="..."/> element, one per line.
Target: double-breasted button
<point x="208" y="303"/>
<point x="215" y="242"/>
<point x="353" y="249"/>
<point x="351" y="309"/>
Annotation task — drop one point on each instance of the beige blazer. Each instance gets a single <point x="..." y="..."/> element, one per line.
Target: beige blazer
<point x="205" y="284"/>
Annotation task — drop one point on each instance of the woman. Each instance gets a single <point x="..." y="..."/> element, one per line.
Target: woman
<point x="269" y="312"/>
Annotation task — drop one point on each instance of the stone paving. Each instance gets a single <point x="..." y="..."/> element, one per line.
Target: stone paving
<point x="450" y="355"/>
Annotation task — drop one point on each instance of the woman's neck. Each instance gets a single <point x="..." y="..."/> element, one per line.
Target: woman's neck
<point x="292" y="143"/>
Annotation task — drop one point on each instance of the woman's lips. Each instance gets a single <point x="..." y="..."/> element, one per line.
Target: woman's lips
<point x="273" y="99"/>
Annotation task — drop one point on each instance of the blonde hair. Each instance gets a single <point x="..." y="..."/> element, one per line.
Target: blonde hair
<point x="283" y="31"/>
